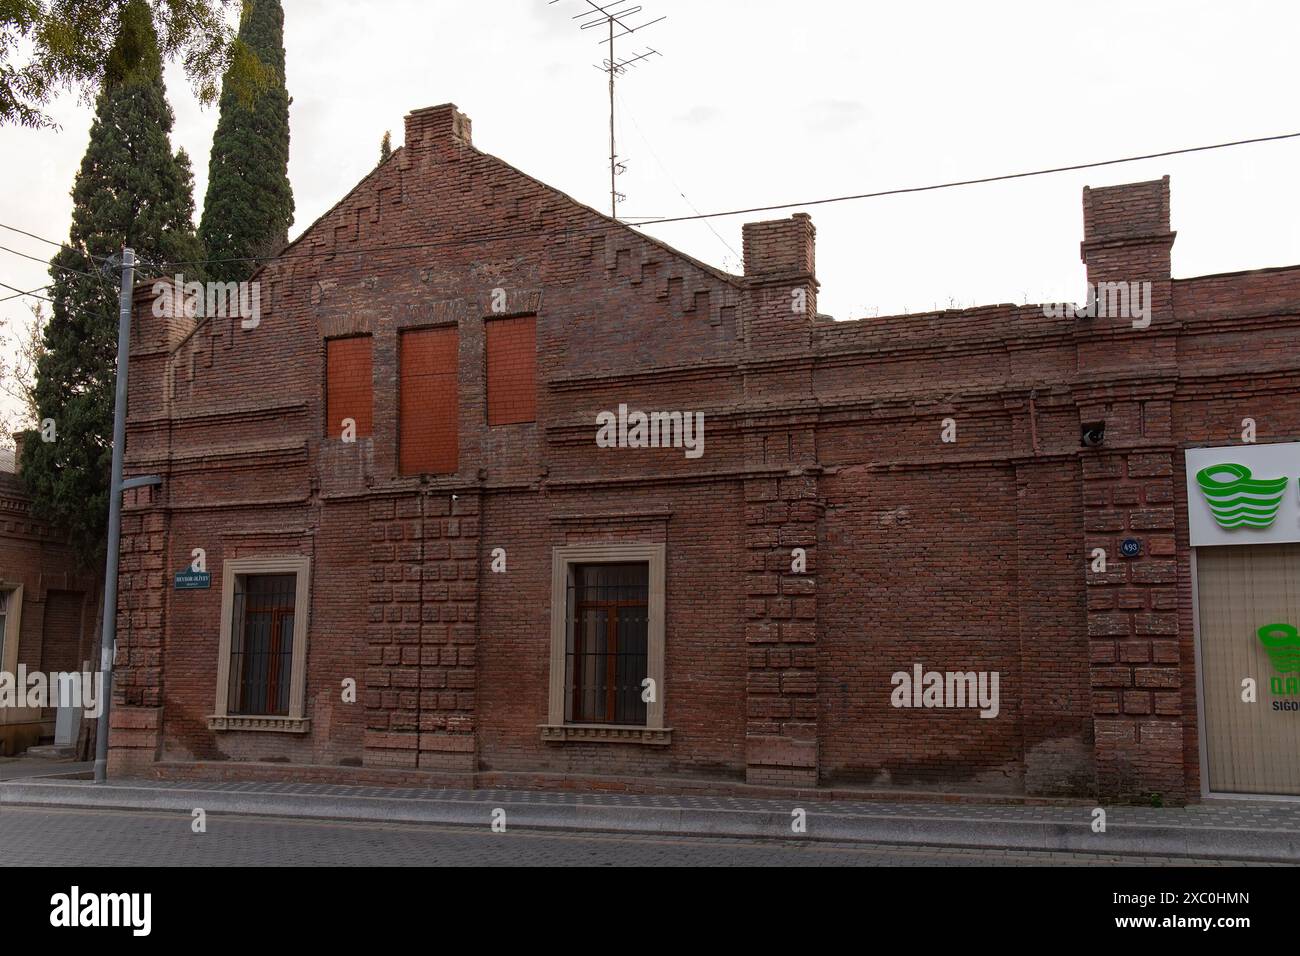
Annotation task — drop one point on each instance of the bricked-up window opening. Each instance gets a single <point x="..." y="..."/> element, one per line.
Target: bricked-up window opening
<point x="261" y="657"/>
<point x="607" y="649"/>
<point x="512" y="370"/>
<point x="349" y="385"/>
<point x="428" y="402"/>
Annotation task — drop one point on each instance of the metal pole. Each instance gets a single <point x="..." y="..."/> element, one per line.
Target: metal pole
<point x="108" y="637"/>
<point x="613" y="193"/>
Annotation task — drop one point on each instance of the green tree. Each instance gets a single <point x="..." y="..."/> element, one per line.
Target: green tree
<point x="385" y="147"/>
<point x="131" y="190"/>
<point x="67" y="42"/>
<point x="249" y="205"/>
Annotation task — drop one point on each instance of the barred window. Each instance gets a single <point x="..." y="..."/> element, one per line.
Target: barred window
<point x="605" y="660"/>
<point x="261" y="654"/>
<point x="607" y="644"/>
<point x="261" y="675"/>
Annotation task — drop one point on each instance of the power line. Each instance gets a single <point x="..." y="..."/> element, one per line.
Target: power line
<point x="61" y="245"/>
<point x="971" y="182"/>
<point x="33" y="295"/>
<point x="54" y="265"/>
<point x="603" y="227"/>
<point x="20" y="293"/>
<point x="14" y="289"/>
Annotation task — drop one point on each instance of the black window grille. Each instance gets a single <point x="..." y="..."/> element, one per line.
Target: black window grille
<point x="261" y="653"/>
<point x="606" y="650"/>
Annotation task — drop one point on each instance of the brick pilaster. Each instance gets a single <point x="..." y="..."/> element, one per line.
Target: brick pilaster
<point x="135" y="734"/>
<point x="423" y="632"/>
<point x="1127" y="374"/>
<point x="781" y="631"/>
<point x="1133" y="626"/>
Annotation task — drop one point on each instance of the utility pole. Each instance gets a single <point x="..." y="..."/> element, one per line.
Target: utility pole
<point x="108" y="636"/>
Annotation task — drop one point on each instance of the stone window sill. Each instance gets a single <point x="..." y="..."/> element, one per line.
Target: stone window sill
<point x="282" y="725"/>
<point x="606" y="734"/>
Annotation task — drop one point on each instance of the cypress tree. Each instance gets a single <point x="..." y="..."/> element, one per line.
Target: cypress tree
<point x="131" y="190"/>
<point x="249" y="206"/>
<point x="385" y="147"/>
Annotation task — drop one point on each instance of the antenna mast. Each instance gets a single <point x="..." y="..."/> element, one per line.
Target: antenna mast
<point x="616" y="18"/>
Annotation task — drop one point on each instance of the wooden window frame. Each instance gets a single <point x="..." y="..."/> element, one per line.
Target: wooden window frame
<point x="9" y="653"/>
<point x="296" y="721"/>
<point x="610" y="707"/>
<point x="563" y="561"/>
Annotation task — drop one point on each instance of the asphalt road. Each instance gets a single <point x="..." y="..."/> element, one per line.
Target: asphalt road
<point x="50" y="837"/>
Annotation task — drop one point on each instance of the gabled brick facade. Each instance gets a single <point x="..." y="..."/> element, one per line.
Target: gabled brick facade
<point x="822" y="444"/>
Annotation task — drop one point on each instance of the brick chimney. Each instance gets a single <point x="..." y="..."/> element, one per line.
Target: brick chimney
<point x="1126" y="238"/>
<point x="437" y="130"/>
<point x="20" y="439"/>
<point x="780" y="247"/>
<point x="780" y="270"/>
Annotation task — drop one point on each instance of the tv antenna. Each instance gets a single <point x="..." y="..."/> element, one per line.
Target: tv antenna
<point x="616" y="19"/>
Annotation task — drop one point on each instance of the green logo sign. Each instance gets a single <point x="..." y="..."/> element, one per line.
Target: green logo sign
<point x="1237" y="499"/>
<point x="1282" y="644"/>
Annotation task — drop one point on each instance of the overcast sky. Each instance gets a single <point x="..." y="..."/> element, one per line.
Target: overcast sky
<point x="759" y="102"/>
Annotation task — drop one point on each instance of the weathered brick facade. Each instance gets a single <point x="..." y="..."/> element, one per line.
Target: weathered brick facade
<point x="823" y="444"/>
<point x="51" y="610"/>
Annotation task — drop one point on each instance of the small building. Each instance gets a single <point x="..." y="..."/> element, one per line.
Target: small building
<point x="496" y="491"/>
<point x="49" y="619"/>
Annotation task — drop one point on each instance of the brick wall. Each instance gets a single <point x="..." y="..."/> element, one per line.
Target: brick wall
<point x="822" y="437"/>
<point x="59" y="611"/>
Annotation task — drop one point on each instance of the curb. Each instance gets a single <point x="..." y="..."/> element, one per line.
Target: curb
<point x="1220" y="843"/>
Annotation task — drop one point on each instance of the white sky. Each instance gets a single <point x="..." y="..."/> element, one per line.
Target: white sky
<point x="760" y="102"/>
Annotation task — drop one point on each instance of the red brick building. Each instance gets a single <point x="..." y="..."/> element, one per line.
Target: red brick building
<point x="49" y="612"/>
<point x="397" y="486"/>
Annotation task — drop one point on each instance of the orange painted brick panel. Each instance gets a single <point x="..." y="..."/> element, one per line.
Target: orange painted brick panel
<point x="349" y="386"/>
<point x="512" y="370"/>
<point x="428" y="405"/>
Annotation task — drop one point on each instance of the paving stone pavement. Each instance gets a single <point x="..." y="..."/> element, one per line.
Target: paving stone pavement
<point x="1222" y="830"/>
<point x="1244" y="814"/>
<point x="16" y="768"/>
<point x="31" y="836"/>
